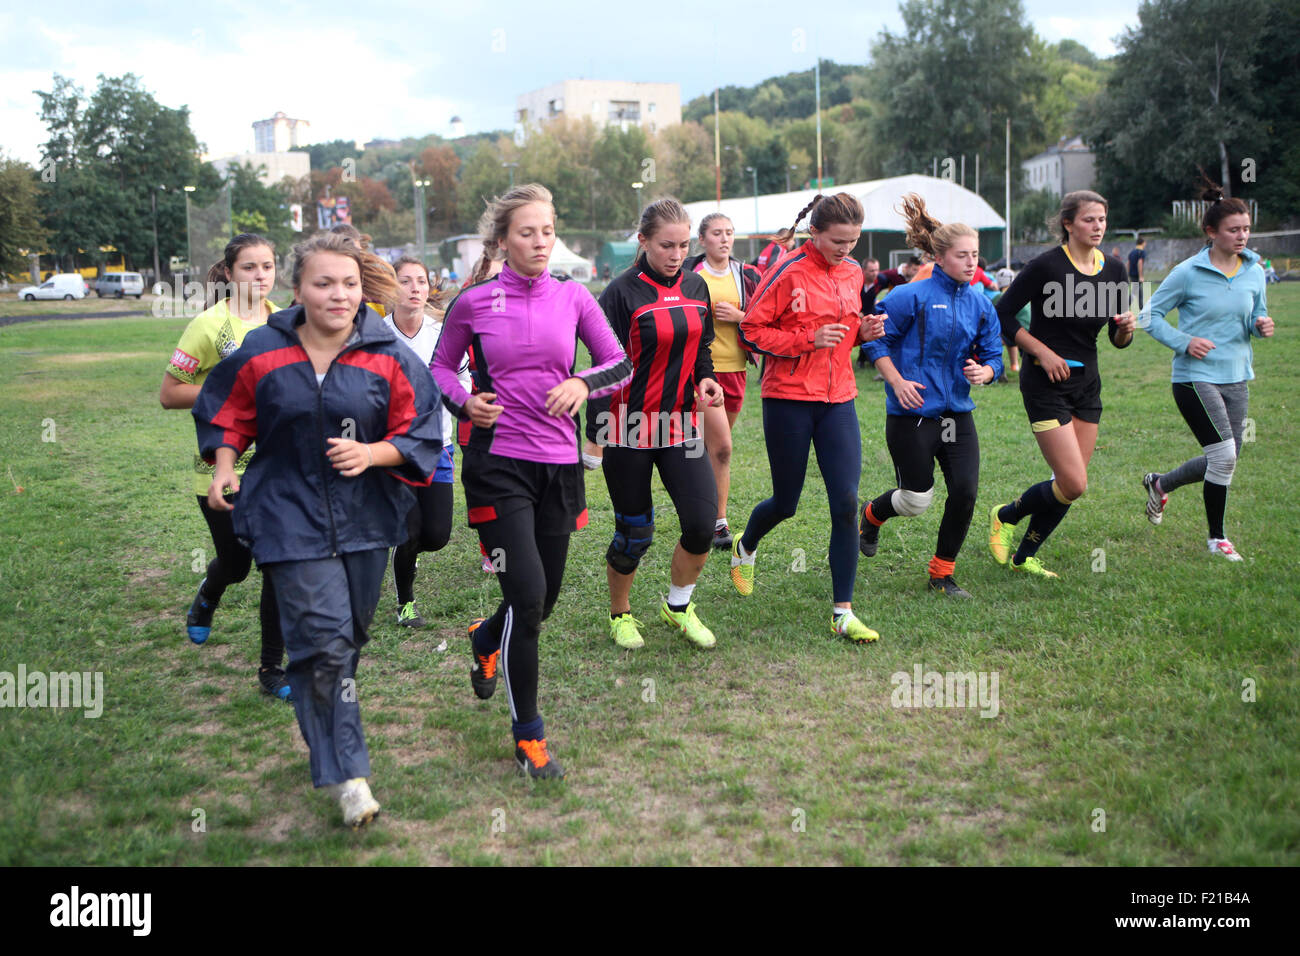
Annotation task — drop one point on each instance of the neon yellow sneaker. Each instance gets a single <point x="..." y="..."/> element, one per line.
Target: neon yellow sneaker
<point x="625" y="630"/>
<point x="688" y="624"/>
<point x="1032" y="566"/>
<point x="1000" y="535"/>
<point x="742" y="570"/>
<point x="849" y="627"/>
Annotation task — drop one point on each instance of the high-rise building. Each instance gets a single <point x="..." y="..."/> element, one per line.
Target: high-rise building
<point x="280" y="134"/>
<point x="651" y="106"/>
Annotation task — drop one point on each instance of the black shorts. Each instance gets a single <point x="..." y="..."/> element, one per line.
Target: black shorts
<point x="1051" y="404"/>
<point x="496" y="486"/>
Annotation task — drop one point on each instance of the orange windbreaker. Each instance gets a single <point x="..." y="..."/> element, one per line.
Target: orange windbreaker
<point x="798" y="295"/>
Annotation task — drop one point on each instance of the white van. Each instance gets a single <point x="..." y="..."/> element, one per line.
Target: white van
<point x="118" y="284"/>
<point x="64" y="285"/>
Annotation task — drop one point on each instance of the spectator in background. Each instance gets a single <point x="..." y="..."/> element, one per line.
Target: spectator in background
<point x="773" y="251"/>
<point x="1137" y="262"/>
<point x="1005" y="277"/>
<point x="874" y="282"/>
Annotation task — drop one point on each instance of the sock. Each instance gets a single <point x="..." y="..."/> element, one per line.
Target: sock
<point x="1041" y="524"/>
<point x="839" y="612"/>
<point x="879" y="510"/>
<point x="487" y="636"/>
<point x="720" y="523"/>
<point x="679" y="597"/>
<point x="941" y="568"/>
<point x="745" y="556"/>
<point x="1036" y="498"/>
<point x="532" y="730"/>
<point x="615" y="617"/>
<point x="1216" y="502"/>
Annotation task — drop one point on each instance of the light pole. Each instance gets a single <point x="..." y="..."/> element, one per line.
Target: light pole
<point x="153" y="199"/>
<point x="754" y="172"/>
<point x="511" y="167"/>
<point x="788" y="170"/>
<point x="189" y="253"/>
<point x="418" y="186"/>
<point x="638" y="187"/>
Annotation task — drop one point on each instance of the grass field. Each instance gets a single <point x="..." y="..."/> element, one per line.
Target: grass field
<point x="1120" y="686"/>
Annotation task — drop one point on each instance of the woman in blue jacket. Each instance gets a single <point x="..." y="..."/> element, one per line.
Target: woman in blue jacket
<point x="1219" y="295"/>
<point x="344" y="418"/>
<point x="941" y="337"/>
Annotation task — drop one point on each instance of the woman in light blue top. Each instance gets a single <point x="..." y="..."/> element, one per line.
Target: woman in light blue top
<point x="1219" y="295"/>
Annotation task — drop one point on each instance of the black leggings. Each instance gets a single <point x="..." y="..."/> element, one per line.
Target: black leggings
<point x="428" y="529"/>
<point x="530" y="571"/>
<point x="687" y="476"/>
<point x="916" y="444"/>
<point x="230" y="566"/>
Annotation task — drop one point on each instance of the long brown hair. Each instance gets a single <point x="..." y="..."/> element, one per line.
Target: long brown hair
<point x="826" y="211"/>
<point x="220" y="279"/>
<point x="1071" y="203"/>
<point x="926" y="233"/>
<point x="378" y="280"/>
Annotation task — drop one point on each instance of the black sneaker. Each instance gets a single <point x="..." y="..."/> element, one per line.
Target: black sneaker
<point x="198" y="620"/>
<point x="408" y="616"/>
<point x="483" y="672"/>
<point x="868" y="536"/>
<point x="535" y="762"/>
<point x="949" y="587"/>
<point x="722" y="538"/>
<point x="274" y="683"/>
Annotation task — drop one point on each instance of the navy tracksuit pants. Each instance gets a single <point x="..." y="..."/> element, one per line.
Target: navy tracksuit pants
<point x="326" y="607"/>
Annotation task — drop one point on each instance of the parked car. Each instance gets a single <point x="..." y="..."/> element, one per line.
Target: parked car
<point x="118" y="284"/>
<point x="64" y="285"/>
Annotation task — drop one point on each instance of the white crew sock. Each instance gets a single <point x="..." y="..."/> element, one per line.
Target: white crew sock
<point x="680" y="596"/>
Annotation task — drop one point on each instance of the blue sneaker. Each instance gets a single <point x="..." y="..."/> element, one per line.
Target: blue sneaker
<point x="198" y="621"/>
<point x="274" y="683"/>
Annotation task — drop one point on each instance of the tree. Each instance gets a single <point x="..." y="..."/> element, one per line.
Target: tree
<point x="256" y="207"/>
<point x="947" y="84"/>
<point x="1183" y="94"/>
<point x="439" y="165"/>
<point x="105" y="157"/>
<point x="21" y="232"/>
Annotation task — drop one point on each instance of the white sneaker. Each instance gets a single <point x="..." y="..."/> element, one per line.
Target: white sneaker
<point x="1156" y="500"/>
<point x="1224" y="547"/>
<point x="355" y="800"/>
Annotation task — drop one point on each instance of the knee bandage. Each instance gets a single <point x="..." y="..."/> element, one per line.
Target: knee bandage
<point x="1220" y="462"/>
<point x="911" y="503"/>
<point x="632" y="537"/>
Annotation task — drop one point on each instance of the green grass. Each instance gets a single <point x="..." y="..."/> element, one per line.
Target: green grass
<point x="1120" y="690"/>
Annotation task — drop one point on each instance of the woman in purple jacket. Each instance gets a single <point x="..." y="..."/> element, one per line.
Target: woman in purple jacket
<point x="523" y="481"/>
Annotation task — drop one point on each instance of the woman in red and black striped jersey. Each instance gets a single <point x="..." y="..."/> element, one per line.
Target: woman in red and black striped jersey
<point x="661" y="315"/>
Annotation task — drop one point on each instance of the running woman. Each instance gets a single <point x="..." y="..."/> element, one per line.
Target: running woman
<point x="429" y="521"/>
<point x="523" y="484"/>
<point x="1074" y="291"/>
<point x="237" y="288"/>
<point x="661" y="315"/>
<point x="1219" y="295"/>
<point x="932" y="329"/>
<point x="731" y="285"/>
<point x="804" y="318"/>
<point x="321" y="509"/>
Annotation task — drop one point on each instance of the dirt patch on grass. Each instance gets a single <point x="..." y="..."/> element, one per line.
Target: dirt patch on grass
<point x="89" y="358"/>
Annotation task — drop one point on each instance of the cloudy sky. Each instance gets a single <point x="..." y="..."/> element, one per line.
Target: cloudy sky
<point x="405" y="67"/>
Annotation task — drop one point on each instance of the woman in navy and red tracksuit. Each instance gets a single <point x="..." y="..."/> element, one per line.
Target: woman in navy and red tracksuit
<point x="661" y="315"/>
<point x="344" y="418"/>
<point x="925" y="357"/>
<point x="804" y="318"/>
<point x="731" y="285"/>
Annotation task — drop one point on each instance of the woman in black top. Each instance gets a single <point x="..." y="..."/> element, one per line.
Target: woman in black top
<point x="1073" y="292"/>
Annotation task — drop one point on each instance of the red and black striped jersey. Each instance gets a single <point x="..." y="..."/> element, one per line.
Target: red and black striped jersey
<point x="666" y="328"/>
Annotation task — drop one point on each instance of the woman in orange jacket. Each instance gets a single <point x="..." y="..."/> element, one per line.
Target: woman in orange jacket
<point x="805" y="320"/>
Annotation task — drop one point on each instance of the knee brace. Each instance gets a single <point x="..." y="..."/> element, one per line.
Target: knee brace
<point x="1220" y="462"/>
<point x="632" y="537"/>
<point x="911" y="503"/>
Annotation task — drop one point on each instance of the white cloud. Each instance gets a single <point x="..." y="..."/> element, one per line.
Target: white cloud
<point x="1098" y="34"/>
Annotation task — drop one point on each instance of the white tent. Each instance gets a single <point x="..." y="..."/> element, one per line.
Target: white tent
<point x="564" y="259"/>
<point x="946" y="201"/>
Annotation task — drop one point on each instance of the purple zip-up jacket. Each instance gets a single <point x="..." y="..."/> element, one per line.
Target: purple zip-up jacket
<point x="524" y="335"/>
